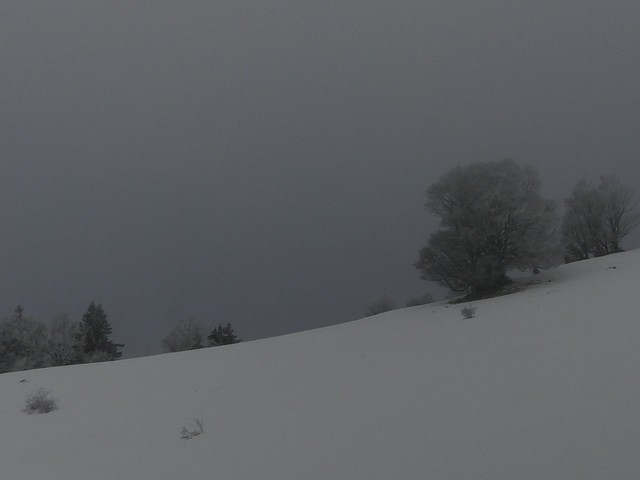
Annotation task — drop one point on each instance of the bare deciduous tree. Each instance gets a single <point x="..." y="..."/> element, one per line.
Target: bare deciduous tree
<point x="619" y="217"/>
<point x="596" y="219"/>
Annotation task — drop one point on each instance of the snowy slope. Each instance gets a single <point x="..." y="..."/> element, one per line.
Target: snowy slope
<point x="541" y="384"/>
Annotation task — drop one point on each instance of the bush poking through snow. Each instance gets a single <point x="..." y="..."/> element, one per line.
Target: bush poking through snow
<point x="383" y="304"/>
<point x="469" y="312"/>
<point x="40" y="402"/>
<point x="421" y="300"/>
<point x="194" y="431"/>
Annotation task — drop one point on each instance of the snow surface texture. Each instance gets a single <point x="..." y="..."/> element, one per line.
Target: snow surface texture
<point x="541" y="384"/>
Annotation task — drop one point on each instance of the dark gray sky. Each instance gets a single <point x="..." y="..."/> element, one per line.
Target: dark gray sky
<point x="264" y="163"/>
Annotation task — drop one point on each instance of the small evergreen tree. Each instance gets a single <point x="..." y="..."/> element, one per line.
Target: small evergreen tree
<point x="94" y="336"/>
<point x="222" y="336"/>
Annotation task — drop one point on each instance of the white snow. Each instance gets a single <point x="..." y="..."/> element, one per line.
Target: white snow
<point x="541" y="384"/>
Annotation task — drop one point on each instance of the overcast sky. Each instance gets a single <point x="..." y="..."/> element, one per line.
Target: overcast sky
<point x="265" y="163"/>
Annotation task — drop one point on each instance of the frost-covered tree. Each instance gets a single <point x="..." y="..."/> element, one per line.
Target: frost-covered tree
<point x="597" y="218"/>
<point x="22" y="342"/>
<point x="492" y="220"/>
<point x="94" y="336"/>
<point x="383" y="304"/>
<point x="64" y="346"/>
<point x="187" y="335"/>
<point x="619" y="216"/>
<point x="222" y="336"/>
<point x="582" y="224"/>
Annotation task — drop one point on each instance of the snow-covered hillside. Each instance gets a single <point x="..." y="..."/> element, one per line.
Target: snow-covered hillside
<point x="541" y="384"/>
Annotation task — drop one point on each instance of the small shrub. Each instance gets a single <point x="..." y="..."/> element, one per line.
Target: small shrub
<point x="40" y="402"/>
<point x="469" y="312"/>
<point x="98" y="356"/>
<point x="194" y="431"/>
<point x="421" y="300"/>
<point x="383" y="304"/>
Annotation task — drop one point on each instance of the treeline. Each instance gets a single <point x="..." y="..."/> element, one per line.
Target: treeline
<point x="190" y="334"/>
<point x="27" y="343"/>
<point x="493" y="220"/>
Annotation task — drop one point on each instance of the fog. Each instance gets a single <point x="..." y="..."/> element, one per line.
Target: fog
<point x="265" y="164"/>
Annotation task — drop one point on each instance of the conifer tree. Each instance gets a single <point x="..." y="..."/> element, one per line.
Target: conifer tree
<point x="222" y="336"/>
<point x="94" y="335"/>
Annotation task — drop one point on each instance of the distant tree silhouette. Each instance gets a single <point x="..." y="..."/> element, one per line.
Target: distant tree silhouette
<point x="22" y="342"/>
<point x="492" y="220"/>
<point x="383" y="304"/>
<point x="222" y="336"/>
<point x="187" y="335"/>
<point x="596" y="219"/>
<point x="64" y="346"/>
<point x="423" y="299"/>
<point x="94" y="336"/>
